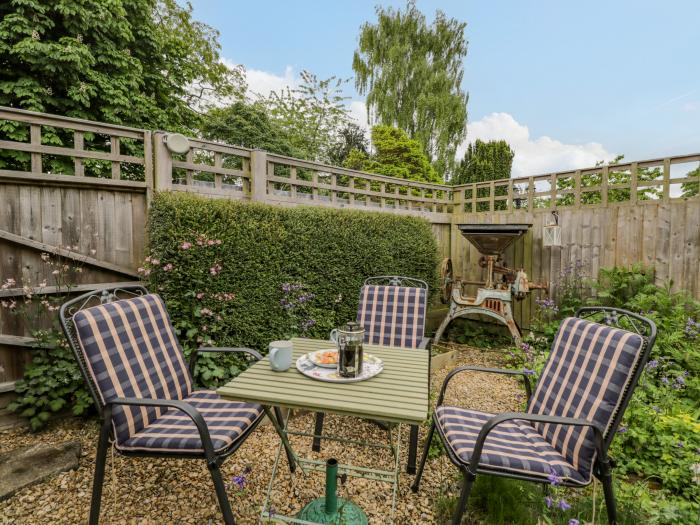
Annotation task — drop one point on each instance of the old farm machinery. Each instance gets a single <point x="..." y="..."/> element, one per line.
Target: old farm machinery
<point x="494" y="297"/>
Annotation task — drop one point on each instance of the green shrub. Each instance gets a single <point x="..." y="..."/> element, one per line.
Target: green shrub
<point x="244" y="274"/>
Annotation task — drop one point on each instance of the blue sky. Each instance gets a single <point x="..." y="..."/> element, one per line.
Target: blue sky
<point x="566" y="82"/>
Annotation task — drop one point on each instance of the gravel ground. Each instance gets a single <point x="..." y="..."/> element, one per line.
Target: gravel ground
<point x="147" y="491"/>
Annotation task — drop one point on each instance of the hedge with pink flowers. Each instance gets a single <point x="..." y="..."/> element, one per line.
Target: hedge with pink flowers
<point x="243" y="274"/>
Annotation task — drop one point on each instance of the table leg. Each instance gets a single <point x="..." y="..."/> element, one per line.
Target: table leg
<point x="412" y="450"/>
<point x="278" y="422"/>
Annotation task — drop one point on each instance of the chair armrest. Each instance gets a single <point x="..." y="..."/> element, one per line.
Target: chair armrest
<point x="178" y="404"/>
<point x="525" y="375"/>
<point x="227" y="350"/>
<point x="425" y="343"/>
<point x="535" y="418"/>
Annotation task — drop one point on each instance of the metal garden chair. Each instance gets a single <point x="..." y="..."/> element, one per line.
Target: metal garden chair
<point x="135" y="369"/>
<point x="571" y="418"/>
<point x="392" y="311"/>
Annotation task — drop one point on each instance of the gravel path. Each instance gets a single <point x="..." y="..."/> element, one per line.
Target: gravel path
<point x="151" y="491"/>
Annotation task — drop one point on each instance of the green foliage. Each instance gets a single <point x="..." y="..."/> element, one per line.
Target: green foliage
<point x="395" y="155"/>
<point x="52" y="381"/>
<point x="225" y="268"/>
<point x="311" y="115"/>
<point x="250" y="126"/>
<point x="136" y="62"/>
<point x="484" y="161"/>
<point x="691" y="189"/>
<point x="412" y="75"/>
<point x="350" y="138"/>
<point x="480" y="334"/>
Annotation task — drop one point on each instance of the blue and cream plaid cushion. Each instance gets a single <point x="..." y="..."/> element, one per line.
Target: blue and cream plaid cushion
<point x="392" y="315"/>
<point x="174" y="431"/>
<point x="131" y="350"/>
<point x="512" y="446"/>
<point x="589" y="369"/>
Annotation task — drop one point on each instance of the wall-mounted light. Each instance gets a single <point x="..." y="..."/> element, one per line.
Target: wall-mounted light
<point x="551" y="232"/>
<point x="177" y="143"/>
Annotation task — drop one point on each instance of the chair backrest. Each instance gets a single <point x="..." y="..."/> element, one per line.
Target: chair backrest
<point x="393" y="314"/>
<point x="590" y="374"/>
<point x="128" y="348"/>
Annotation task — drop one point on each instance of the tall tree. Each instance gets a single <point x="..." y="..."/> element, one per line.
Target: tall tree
<point x="396" y="155"/>
<point x="248" y="125"/>
<point x="350" y="137"/>
<point x="311" y="114"/>
<point x="484" y="161"/>
<point x="411" y="72"/>
<point x="136" y="62"/>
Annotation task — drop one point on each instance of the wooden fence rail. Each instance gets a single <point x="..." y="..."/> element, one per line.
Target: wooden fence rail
<point x="80" y="190"/>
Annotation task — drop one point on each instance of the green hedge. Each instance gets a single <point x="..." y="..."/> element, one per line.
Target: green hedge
<point x="291" y="271"/>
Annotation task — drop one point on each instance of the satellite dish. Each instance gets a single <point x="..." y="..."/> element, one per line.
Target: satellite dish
<point x="177" y="143"/>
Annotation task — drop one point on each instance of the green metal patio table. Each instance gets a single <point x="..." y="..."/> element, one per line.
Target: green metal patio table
<point x="399" y="395"/>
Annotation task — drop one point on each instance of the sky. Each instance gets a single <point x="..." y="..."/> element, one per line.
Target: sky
<point x="566" y="83"/>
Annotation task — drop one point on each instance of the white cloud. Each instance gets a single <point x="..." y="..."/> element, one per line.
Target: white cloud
<point x="533" y="156"/>
<point x="691" y="106"/>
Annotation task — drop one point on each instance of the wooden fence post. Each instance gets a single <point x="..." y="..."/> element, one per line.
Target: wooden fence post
<point x="258" y="175"/>
<point x="163" y="169"/>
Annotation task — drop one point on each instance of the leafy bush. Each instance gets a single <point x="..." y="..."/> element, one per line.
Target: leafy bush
<point x="52" y="381"/>
<point x="244" y="274"/>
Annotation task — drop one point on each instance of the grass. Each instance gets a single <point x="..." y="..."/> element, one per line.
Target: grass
<point x="500" y="501"/>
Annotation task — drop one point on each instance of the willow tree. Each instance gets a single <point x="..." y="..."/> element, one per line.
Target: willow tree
<point x="411" y="73"/>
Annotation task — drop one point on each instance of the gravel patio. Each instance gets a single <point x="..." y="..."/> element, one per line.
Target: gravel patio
<point x="149" y="491"/>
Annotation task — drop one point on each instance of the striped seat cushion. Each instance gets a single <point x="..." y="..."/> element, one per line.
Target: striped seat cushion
<point x="174" y="431"/>
<point x="131" y="350"/>
<point x="392" y="315"/>
<point x="589" y="369"/>
<point x="513" y="446"/>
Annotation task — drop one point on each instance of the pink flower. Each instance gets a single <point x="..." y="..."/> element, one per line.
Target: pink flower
<point x="218" y="241"/>
<point x="215" y="270"/>
<point x="147" y="272"/>
<point x="200" y="295"/>
<point x="186" y="245"/>
<point x="210" y="242"/>
<point x="140" y="269"/>
<point x="155" y="262"/>
<point x="168" y="267"/>
<point x="206" y="311"/>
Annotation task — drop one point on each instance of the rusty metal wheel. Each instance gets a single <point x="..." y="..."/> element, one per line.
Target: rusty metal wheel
<point x="446" y="280"/>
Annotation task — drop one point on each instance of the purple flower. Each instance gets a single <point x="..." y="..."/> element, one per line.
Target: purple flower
<point x="308" y="324"/>
<point x="548" y="502"/>
<point x="239" y="481"/>
<point x="656" y="409"/>
<point x="680" y="380"/>
<point x="652" y="364"/>
<point x="574" y="521"/>
<point x="553" y="477"/>
<point x="680" y="444"/>
<point x="564" y="505"/>
<point x="622" y="429"/>
<point x="664" y="380"/>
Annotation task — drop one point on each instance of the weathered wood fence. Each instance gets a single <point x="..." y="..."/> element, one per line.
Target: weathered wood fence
<point x="80" y="189"/>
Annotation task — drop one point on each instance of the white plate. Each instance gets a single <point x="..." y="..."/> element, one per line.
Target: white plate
<point x="314" y="357"/>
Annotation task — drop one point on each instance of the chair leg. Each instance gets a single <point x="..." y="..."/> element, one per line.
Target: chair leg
<point x="412" y="450"/>
<point x="468" y="480"/>
<point x="610" y="504"/>
<point x="426" y="448"/>
<point x="221" y="495"/>
<point x="318" y="430"/>
<point x="98" y="478"/>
